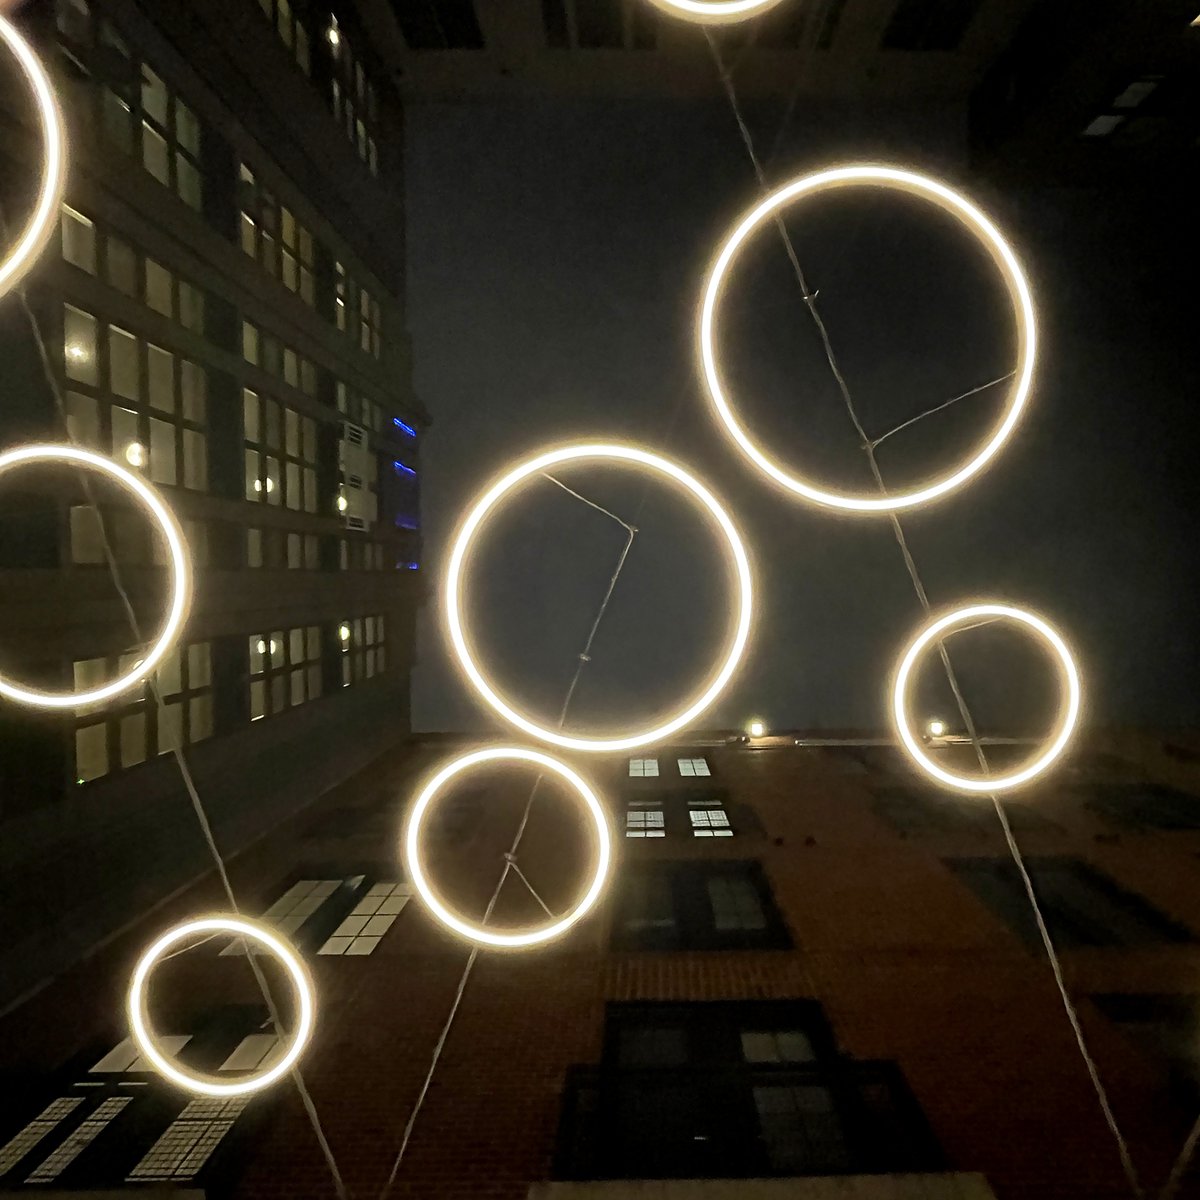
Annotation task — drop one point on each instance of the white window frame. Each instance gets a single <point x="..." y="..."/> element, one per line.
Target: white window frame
<point x="693" y="768"/>
<point x="643" y="768"/>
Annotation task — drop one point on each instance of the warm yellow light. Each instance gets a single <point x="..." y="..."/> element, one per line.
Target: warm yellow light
<point x="208" y="1085"/>
<point x="477" y="933"/>
<point x="334" y="35"/>
<point x="135" y="454"/>
<point x="952" y="204"/>
<point x="714" y="12"/>
<point x="344" y="633"/>
<point x="936" y="728"/>
<point x="37" y="232"/>
<point x="1068" y="715"/>
<point x="454" y="592"/>
<point x="342" y="504"/>
<point x="180" y="574"/>
<point x="77" y="353"/>
<point x="757" y="729"/>
<point x="261" y="647"/>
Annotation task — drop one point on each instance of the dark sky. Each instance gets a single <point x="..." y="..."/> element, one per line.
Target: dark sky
<point x="557" y="251"/>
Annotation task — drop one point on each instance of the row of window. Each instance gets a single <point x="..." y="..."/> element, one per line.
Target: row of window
<point x="689" y="768"/>
<point x="275" y="239"/>
<point x="284" y="669"/>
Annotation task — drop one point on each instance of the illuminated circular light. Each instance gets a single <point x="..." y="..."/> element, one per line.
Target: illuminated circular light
<point x="135" y="454"/>
<point x="344" y="633"/>
<point x="936" y="728"/>
<point x="1068" y="712"/>
<point x="208" y="1085"/>
<point x="453" y="601"/>
<point x="757" y="729"/>
<point x="37" y="232"/>
<point x="952" y="204"/>
<point x="180" y="574"/>
<point x="714" y="12"/>
<point x="342" y="504"/>
<point x="334" y="35"/>
<point x="261" y="647"/>
<point x="476" y="933"/>
<point x="77" y="352"/>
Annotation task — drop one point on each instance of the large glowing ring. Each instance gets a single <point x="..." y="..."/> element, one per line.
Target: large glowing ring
<point x="181" y="576"/>
<point x="41" y="223"/>
<point x="476" y="933"/>
<point x="208" y="1085"/>
<point x="1068" y="713"/>
<point x="618" y="453"/>
<point x="949" y="202"/>
<point x="715" y="12"/>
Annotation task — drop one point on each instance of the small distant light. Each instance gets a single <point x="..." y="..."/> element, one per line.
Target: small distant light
<point x="403" y="469"/>
<point x="77" y="352"/>
<point x="406" y="429"/>
<point x="135" y="454"/>
<point x="344" y="633"/>
<point x="334" y="36"/>
<point x="757" y="729"/>
<point x="408" y="566"/>
<point x="81" y="782"/>
<point x="936" y="728"/>
<point x="342" y="504"/>
<point x="261" y="647"/>
<point x="274" y="646"/>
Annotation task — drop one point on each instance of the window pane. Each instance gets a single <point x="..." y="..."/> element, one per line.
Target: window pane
<point x="163" y="467"/>
<point x="190" y="188"/>
<point x="293" y="485"/>
<point x="187" y="129"/>
<point x="254" y="485"/>
<point x="273" y="484"/>
<point x="291" y="421"/>
<point x="125" y="435"/>
<point x="199" y="665"/>
<point x="195" y="460"/>
<point x="91" y="752"/>
<point x="200" y="717"/>
<point x="133" y="739"/>
<point x="191" y="307"/>
<point x="170" y="727"/>
<point x="123" y="364"/>
<point x="118" y="121"/>
<point x="155" y="155"/>
<point x="122" y="266"/>
<point x="170" y="674"/>
<point x="161" y="378"/>
<point x="159" y="288"/>
<point x="193" y="383"/>
<point x="154" y="96"/>
<point x="79" y="345"/>
<point x="83" y="419"/>
<point x="254" y="557"/>
<point x="79" y="240"/>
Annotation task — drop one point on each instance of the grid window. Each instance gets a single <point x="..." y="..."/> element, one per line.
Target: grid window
<point x="354" y="98"/>
<point x="709" y="822"/>
<point x="290" y="30"/>
<point x="285" y="670"/>
<point x="363" y="649"/>
<point x="644" y="822"/>
<point x="360" y="933"/>
<point x="125" y="1058"/>
<point x="80" y="1139"/>
<point x="149" y="407"/>
<point x="694" y="768"/>
<point x="137" y="729"/>
<point x="266" y="351"/>
<point x="280" y="454"/>
<point x="271" y="234"/>
<point x="643" y="768"/>
<point x="36" y="1131"/>
<point x="359" y="315"/>
<point x="189" y="1141"/>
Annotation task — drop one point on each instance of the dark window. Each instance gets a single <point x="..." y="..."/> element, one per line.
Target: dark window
<point x="1081" y="906"/>
<point x="711" y="1090"/>
<point x="1145" y="806"/>
<point x="438" y="24"/>
<point x="929" y="24"/>
<point x="909" y="810"/>
<point x="697" y="906"/>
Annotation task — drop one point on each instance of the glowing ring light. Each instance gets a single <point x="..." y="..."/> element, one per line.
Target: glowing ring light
<point x="714" y="12"/>
<point x="952" y="204"/>
<point x="207" y="1085"/>
<point x="476" y="933"/>
<point x="1068" y="713"/>
<point x="41" y="223"/>
<point x="180" y="590"/>
<point x="577" y="453"/>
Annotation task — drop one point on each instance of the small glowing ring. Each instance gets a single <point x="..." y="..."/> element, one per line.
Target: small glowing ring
<point x="714" y="12"/>
<point x="206" y="1085"/>
<point x="532" y="466"/>
<point x="1001" y="254"/>
<point x="476" y="933"/>
<point x="37" y="232"/>
<point x="181" y="586"/>
<point x="1068" y="715"/>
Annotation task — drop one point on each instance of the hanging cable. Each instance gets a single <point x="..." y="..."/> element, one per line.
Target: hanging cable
<point x="869" y="449"/>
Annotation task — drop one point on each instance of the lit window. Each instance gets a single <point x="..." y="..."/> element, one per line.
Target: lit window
<point x="78" y="240"/>
<point x="709" y="822"/>
<point x="362" y="643"/>
<point x="190" y="1140"/>
<point x="79" y="1140"/>
<point x="125" y="1057"/>
<point x="694" y="768"/>
<point x="1103" y="125"/>
<point x="292" y="909"/>
<point x="45" y="1123"/>
<point x="285" y="670"/>
<point x="371" y="918"/>
<point x="643" y="768"/>
<point x="644" y="823"/>
<point x="1135" y="93"/>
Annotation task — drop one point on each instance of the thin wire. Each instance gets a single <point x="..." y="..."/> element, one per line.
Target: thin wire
<point x="176" y="750"/>
<point x="938" y="408"/>
<point x="524" y="879"/>
<point x="510" y="860"/>
<point x="1181" y="1164"/>
<point x="589" y="503"/>
<point x="869" y="449"/>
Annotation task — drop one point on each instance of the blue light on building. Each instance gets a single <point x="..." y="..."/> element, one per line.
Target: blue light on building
<point x="407" y="430"/>
<point x="403" y="470"/>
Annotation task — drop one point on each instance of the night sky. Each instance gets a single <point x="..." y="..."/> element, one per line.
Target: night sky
<point x="557" y="250"/>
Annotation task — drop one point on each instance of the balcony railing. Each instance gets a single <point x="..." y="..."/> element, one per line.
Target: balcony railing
<point x="745" y="1121"/>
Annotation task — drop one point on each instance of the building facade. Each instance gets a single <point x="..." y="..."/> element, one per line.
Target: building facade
<point x="220" y="311"/>
<point x="811" y="976"/>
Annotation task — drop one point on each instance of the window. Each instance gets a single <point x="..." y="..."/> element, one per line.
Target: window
<point x="361" y="932"/>
<point x="709" y="822"/>
<point x="1081" y="906"/>
<point x="694" y="768"/>
<point x="720" y="1090"/>
<point x="290" y="31"/>
<point x="359" y="316"/>
<point x="929" y="24"/>
<point x="271" y="234"/>
<point x="190" y="1140"/>
<point x="280" y="454"/>
<point x="285" y="670"/>
<point x="148" y="410"/>
<point x="698" y="905"/>
<point x="36" y="1131"/>
<point x="78" y="1141"/>
<point x="1145" y="806"/>
<point x="354" y="98"/>
<point x="644" y="821"/>
<point x="643" y="768"/>
<point x="78" y="240"/>
<point x="912" y="811"/>
<point x="266" y="351"/>
<point x="134" y="728"/>
<point x="362" y="649"/>
<point x="125" y="1058"/>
